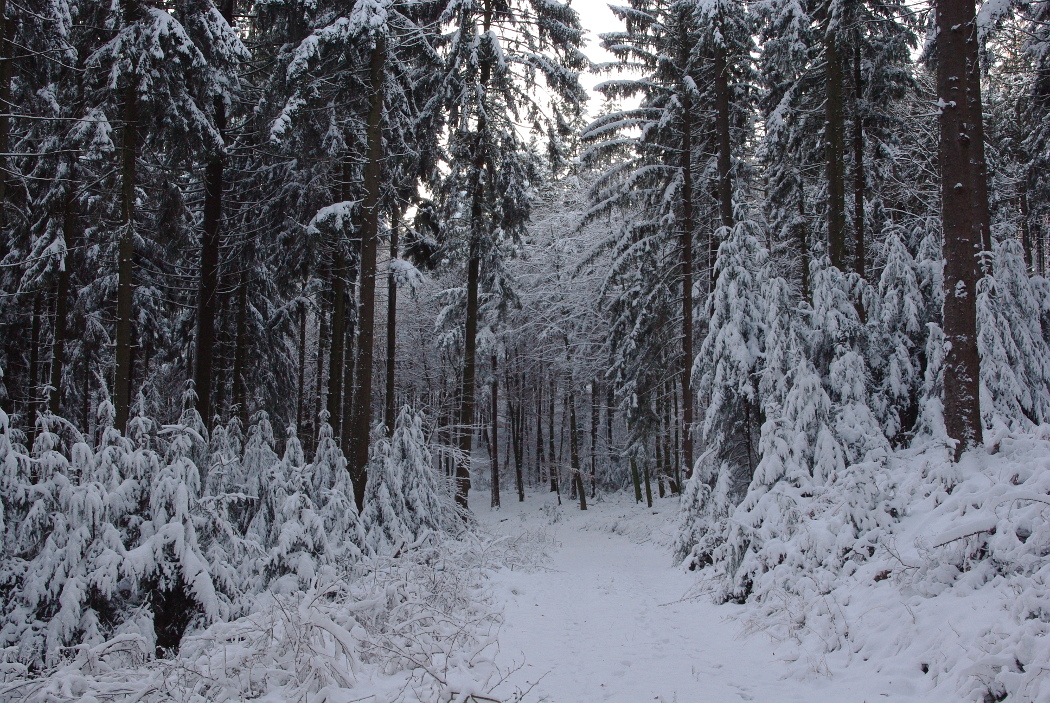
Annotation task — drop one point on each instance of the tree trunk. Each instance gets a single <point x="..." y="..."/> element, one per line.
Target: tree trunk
<point x="594" y="438"/>
<point x="725" y="157"/>
<point x="494" y="438"/>
<point x="963" y="215"/>
<point x="539" y="433"/>
<point x="835" y="149"/>
<point x="1026" y="231"/>
<point x="6" y="73"/>
<point x="553" y="463"/>
<point x="362" y="410"/>
<point x="240" y="354"/>
<point x="648" y="487"/>
<point x="33" y="395"/>
<point x="859" y="179"/>
<point x="299" y="399"/>
<point x="208" y="285"/>
<point x="686" y="264"/>
<point x="348" y="372"/>
<point x="126" y="250"/>
<point x="574" y="453"/>
<point x="636" y="479"/>
<point x="391" y="323"/>
<point x="323" y="303"/>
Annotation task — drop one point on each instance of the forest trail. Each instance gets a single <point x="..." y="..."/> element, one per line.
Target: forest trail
<point x="605" y="621"/>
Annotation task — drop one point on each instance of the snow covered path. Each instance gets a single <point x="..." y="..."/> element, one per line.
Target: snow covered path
<point x="605" y="622"/>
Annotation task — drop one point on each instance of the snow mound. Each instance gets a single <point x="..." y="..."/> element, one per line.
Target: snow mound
<point x="954" y="594"/>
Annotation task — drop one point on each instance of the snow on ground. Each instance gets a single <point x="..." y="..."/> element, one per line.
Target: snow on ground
<point x="605" y="620"/>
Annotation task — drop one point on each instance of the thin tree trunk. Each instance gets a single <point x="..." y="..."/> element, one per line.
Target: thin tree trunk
<point x="636" y="479"/>
<point x="594" y="438"/>
<point x="539" y="433"/>
<point x="494" y="438"/>
<point x="391" y="322"/>
<point x="323" y="303"/>
<point x="574" y="453"/>
<point x="648" y="487"/>
<point x="803" y="241"/>
<point x="362" y="410"/>
<point x="1026" y="231"/>
<point x="299" y="399"/>
<point x="686" y="263"/>
<point x="6" y="73"/>
<point x="348" y="372"/>
<point x="240" y="355"/>
<point x="725" y="157"/>
<point x="859" y="178"/>
<point x="338" y="350"/>
<point x="835" y="149"/>
<point x="208" y="284"/>
<point x="33" y="396"/>
<point x="126" y="248"/>
<point x="676" y="469"/>
<point x="963" y="215"/>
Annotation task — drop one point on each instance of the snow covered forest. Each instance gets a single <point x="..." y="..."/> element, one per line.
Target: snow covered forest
<point x="299" y="297"/>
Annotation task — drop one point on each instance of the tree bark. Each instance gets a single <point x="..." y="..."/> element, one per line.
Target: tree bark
<point x="722" y="122"/>
<point x="963" y="215"/>
<point x="552" y="466"/>
<point x="594" y="438"/>
<point x="362" y="410"/>
<point x="859" y="178"/>
<point x="835" y="149"/>
<point x="6" y="73"/>
<point x="686" y="264"/>
<point x="208" y="283"/>
<point x="539" y="433"/>
<point x="33" y="395"/>
<point x="494" y="435"/>
<point x="299" y="396"/>
<point x="574" y="453"/>
<point x="126" y="249"/>
<point x="240" y="354"/>
<point x="391" y="322"/>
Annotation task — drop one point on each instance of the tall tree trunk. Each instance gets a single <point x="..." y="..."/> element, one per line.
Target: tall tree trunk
<point x="494" y="434"/>
<point x="391" y="322"/>
<point x="58" y="347"/>
<point x="208" y="284"/>
<point x="594" y="438"/>
<point x="574" y="453"/>
<point x="802" y="232"/>
<point x="963" y="215"/>
<point x="834" y="152"/>
<point x="722" y="121"/>
<point x="340" y="276"/>
<point x="126" y="248"/>
<point x="1026" y="230"/>
<point x="648" y="487"/>
<point x="552" y="463"/>
<point x="675" y="466"/>
<point x="299" y="396"/>
<point x="859" y="178"/>
<point x="362" y="410"/>
<point x="33" y="395"/>
<point x="686" y="264"/>
<point x="240" y="354"/>
<point x="348" y="372"/>
<point x="323" y="305"/>
<point x="636" y="479"/>
<point x="539" y="432"/>
<point x="6" y="73"/>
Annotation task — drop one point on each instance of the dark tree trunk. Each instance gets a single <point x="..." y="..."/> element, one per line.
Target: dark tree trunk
<point x="126" y="250"/>
<point x="963" y="214"/>
<point x="323" y="304"/>
<point x="362" y="409"/>
<point x="348" y="372"/>
<point x="539" y="432"/>
<point x="574" y="453"/>
<point x="859" y="179"/>
<point x="240" y="354"/>
<point x="494" y="435"/>
<point x="58" y="347"/>
<point x="636" y="479"/>
<point x="834" y="150"/>
<point x="552" y="466"/>
<point x="338" y="350"/>
<point x="1026" y="231"/>
<point x="33" y="390"/>
<point x="803" y="241"/>
<point x="594" y="438"/>
<point x="722" y="121"/>
<point x="299" y="399"/>
<point x="6" y="73"/>
<point x="208" y="286"/>
<point x="686" y="264"/>
<point x="391" y="323"/>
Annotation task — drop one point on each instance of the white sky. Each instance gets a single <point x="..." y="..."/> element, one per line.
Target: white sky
<point x="596" y="18"/>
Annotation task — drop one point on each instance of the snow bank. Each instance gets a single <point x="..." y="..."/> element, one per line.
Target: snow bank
<point x="952" y="597"/>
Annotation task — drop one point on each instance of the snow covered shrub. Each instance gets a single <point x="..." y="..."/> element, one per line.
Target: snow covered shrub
<point x="730" y="356"/>
<point x="292" y="534"/>
<point x="332" y="490"/>
<point x="899" y="334"/>
<point x="1013" y="343"/>
<point x="406" y="498"/>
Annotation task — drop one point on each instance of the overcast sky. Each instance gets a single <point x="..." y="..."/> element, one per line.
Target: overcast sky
<point x="596" y="18"/>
